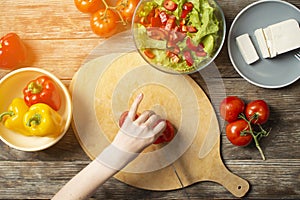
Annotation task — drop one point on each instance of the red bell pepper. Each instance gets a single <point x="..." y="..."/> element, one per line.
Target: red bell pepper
<point x="155" y="22"/>
<point x="42" y="90"/>
<point x="13" y="53"/>
<point x="149" y="53"/>
<point x="163" y="17"/>
<point x="186" y="9"/>
<point x="171" y="23"/>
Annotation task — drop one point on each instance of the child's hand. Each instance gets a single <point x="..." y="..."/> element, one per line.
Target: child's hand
<point x="136" y="134"/>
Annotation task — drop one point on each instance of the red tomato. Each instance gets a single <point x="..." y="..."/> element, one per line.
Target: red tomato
<point x="166" y="136"/>
<point x="233" y="133"/>
<point x="260" y="109"/>
<point x="13" y="52"/>
<point x="170" y="5"/>
<point x="104" y="22"/>
<point x="231" y="107"/>
<point x="186" y="8"/>
<point x="127" y="8"/>
<point x="88" y="6"/>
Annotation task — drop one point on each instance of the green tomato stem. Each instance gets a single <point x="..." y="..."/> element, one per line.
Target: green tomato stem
<point x="115" y="9"/>
<point x="105" y="4"/>
<point x="258" y="146"/>
<point x="256" y="136"/>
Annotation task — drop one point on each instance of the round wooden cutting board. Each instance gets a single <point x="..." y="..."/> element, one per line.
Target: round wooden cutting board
<point x="105" y="87"/>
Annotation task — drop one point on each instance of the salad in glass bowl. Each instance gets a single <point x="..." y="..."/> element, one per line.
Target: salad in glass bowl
<point x="179" y="36"/>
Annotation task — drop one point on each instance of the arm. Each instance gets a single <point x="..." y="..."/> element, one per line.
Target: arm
<point x="86" y="182"/>
<point x="133" y="137"/>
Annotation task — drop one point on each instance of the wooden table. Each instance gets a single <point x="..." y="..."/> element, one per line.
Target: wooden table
<point x="60" y="38"/>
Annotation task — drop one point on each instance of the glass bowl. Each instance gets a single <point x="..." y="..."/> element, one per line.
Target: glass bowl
<point x="176" y="36"/>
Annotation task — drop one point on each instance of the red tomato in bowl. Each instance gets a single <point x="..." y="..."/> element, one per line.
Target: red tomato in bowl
<point x="231" y="107"/>
<point x="234" y="130"/>
<point x="260" y="109"/>
<point x="170" y="5"/>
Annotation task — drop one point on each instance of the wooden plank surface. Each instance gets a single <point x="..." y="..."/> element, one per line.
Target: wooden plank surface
<point x="60" y="39"/>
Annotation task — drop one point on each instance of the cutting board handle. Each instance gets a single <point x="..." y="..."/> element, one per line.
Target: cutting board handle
<point x="233" y="183"/>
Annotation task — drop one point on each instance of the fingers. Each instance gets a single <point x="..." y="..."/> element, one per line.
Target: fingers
<point x="148" y="118"/>
<point x="134" y="107"/>
<point x="160" y="127"/>
<point x="154" y="123"/>
<point x="144" y="117"/>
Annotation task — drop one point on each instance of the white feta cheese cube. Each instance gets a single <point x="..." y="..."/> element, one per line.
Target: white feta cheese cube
<point x="247" y="48"/>
<point x="261" y="40"/>
<point x="270" y="42"/>
<point x="278" y="38"/>
<point x="285" y="36"/>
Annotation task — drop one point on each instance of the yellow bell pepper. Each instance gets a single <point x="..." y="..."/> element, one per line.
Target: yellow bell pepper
<point x="13" y="118"/>
<point x="42" y="120"/>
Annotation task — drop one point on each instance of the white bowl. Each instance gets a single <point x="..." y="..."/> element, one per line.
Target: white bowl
<point x="11" y="86"/>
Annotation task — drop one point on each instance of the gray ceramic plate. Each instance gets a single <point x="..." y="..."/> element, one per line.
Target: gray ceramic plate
<point x="267" y="73"/>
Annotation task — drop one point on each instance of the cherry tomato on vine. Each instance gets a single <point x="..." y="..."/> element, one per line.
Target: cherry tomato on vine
<point x="233" y="133"/>
<point x="13" y="52"/>
<point x="231" y="107"/>
<point x="127" y="8"/>
<point x="104" y="22"/>
<point x="88" y="6"/>
<point x="260" y="109"/>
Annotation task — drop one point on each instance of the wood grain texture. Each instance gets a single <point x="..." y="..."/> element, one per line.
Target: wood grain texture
<point x="59" y="40"/>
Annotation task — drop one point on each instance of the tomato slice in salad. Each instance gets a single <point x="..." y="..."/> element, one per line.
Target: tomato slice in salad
<point x="186" y="8"/>
<point x="170" y="5"/>
<point x="163" y="26"/>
